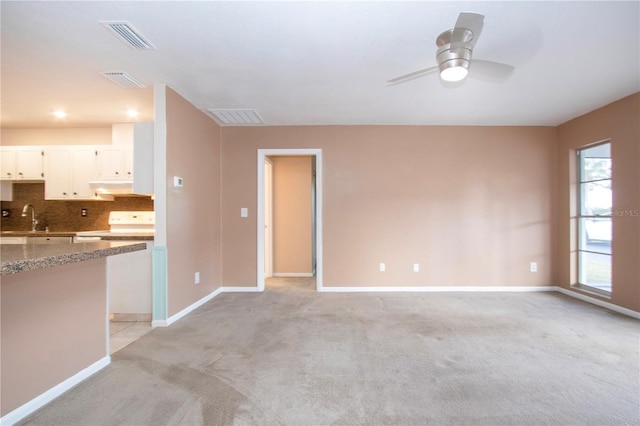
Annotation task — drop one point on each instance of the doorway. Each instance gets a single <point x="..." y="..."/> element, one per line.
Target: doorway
<point x="265" y="252"/>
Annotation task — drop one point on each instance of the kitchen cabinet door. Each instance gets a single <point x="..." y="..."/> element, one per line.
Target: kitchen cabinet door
<point x="7" y="163"/>
<point x="57" y="172"/>
<point x="29" y="163"/>
<point x="83" y="170"/>
<point x="128" y="162"/>
<point x="68" y="170"/>
<point x="111" y="163"/>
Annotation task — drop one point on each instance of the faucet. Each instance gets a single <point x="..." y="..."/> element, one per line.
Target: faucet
<point x="34" y="222"/>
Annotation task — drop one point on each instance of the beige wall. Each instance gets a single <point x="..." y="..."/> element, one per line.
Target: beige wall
<point x="193" y="212"/>
<point x="619" y="122"/>
<point x="57" y="136"/>
<point x="63" y="311"/>
<point x="292" y="181"/>
<point x="471" y="205"/>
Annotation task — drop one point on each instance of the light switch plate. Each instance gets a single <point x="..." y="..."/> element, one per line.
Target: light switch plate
<point x="177" y="182"/>
<point x="244" y="212"/>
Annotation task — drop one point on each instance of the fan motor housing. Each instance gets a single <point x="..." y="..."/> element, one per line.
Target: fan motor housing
<point x="454" y="48"/>
<point x="452" y="55"/>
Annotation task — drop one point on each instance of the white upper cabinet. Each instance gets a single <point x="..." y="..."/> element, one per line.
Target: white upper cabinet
<point x="113" y="162"/>
<point x="68" y="170"/>
<point x="21" y="163"/>
<point x="7" y="163"/>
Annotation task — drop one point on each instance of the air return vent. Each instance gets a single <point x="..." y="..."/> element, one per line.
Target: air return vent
<point x="122" y="79"/>
<point x="128" y="35"/>
<point x="237" y="117"/>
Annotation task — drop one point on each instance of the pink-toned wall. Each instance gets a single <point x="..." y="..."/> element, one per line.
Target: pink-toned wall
<point x="54" y="324"/>
<point x="619" y="122"/>
<point x="193" y="212"/>
<point x="292" y="181"/>
<point x="472" y="205"/>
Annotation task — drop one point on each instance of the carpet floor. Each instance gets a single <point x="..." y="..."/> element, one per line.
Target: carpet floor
<point x="293" y="356"/>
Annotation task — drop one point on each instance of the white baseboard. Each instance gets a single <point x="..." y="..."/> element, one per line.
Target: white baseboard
<point x="599" y="302"/>
<point x="48" y="396"/>
<point x="293" y="274"/>
<point x="239" y="289"/>
<point x="159" y="323"/>
<point x="189" y="308"/>
<point x="438" y="289"/>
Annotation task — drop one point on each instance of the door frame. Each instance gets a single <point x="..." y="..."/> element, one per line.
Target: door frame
<point x="262" y="156"/>
<point x="268" y="216"/>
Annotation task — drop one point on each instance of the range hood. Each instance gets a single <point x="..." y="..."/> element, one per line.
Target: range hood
<point x="112" y="187"/>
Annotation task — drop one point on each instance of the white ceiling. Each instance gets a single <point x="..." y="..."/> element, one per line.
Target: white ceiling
<point x="316" y="63"/>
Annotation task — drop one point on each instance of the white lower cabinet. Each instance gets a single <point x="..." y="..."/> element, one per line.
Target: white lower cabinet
<point x="13" y="240"/>
<point x="129" y="281"/>
<point x="68" y="171"/>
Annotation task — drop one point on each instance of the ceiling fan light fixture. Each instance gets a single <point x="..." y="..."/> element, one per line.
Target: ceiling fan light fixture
<point x="454" y="70"/>
<point x="454" y="73"/>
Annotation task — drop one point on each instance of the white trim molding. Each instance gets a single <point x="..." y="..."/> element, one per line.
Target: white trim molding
<point x="598" y="302"/>
<point x="188" y="309"/>
<point x="438" y="289"/>
<point x="48" y="396"/>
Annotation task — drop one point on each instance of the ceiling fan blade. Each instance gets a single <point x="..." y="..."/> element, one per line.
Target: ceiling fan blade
<point x="471" y="21"/>
<point x="489" y="70"/>
<point x="413" y="75"/>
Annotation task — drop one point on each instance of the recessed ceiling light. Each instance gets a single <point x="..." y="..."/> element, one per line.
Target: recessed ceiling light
<point x="132" y="113"/>
<point x="59" y="114"/>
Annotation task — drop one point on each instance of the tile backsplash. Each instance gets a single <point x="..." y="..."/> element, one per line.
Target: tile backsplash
<point x="64" y="215"/>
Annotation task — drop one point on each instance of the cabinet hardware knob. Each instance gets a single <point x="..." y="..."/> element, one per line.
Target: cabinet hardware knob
<point x="64" y="193"/>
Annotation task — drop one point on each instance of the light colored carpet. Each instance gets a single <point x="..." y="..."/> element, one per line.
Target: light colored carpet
<point x="296" y="357"/>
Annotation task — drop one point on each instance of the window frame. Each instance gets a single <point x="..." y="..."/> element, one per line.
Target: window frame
<point x="582" y="217"/>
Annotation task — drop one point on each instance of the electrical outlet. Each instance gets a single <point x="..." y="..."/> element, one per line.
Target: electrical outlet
<point x="416" y="267"/>
<point x="196" y="278"/>
<point x="533" y="266"/>
<point x="383" y="267"/>
<point x="83" y="212"/>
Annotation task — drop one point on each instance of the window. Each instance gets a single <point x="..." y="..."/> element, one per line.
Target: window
<point x="594" y="218"/>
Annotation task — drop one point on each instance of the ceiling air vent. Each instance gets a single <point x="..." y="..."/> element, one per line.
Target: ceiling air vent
<point x="128" y="35"/>
<point x="236" y="117"/>
<point x="123" y="79"/>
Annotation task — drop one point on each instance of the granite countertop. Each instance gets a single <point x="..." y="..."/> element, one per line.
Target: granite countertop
<point x="37" y="234"/>
<point x="134" y="236"/>
<point x="27" y="257"/>
<point x="106" y="235"/>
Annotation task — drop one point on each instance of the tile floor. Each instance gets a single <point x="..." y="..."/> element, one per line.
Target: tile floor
<point x="122" y="333"/>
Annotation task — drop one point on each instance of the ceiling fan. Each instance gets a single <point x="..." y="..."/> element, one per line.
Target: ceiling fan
<point x="455" y="47"/>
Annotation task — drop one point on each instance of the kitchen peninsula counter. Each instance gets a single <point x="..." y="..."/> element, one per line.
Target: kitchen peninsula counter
<point x="27" y="257"/>
<point x="53" y="319"/>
